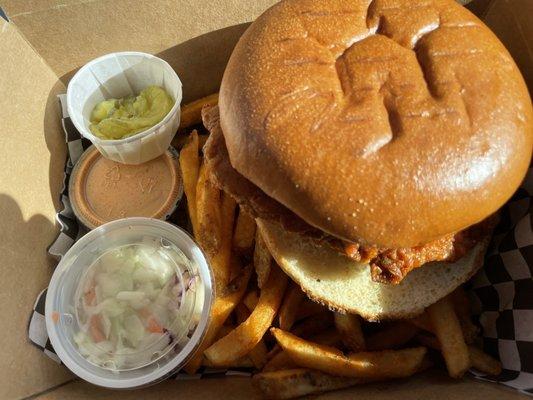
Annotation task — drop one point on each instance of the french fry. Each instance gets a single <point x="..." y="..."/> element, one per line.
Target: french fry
<point x="309" y="327"/>
<point x="314" y="324"/>
<point x="251" y="299"/>
<point x="388" y="364"/>
<point x="392" y="337"/>
<point x="209" y="232"/>
<point x="191" y="113"/>
<point x="258" y="354"/>
<point x="190" y="166"/>
<point x="215" y="212"/>
<point x="227" y="218"/>
<point x="242" y="313"/>
<point x="422" y="321"/>
<point x="470" y="330"/>
<point x="299" y="382"/>
<point x="376" y="365"/>
<point x="225" y="302"/>
<point x="461" y="305"/>
<point x="244" y="235"/>
<point x="180" y="140"/>
<point x="308" y="308"/>
<point x="291" y="302"/>
<point x="274" y="351"/>
<point x="349" y="327"/>
<point x="483" y="362"/>
<point x="281" y="360"/>
<point x="262" y="260"/>
<point x="428" y="340"/>
<point x="221" y="259"/>
<point x="246" y="336"/>
<point x="450" y="336"/>
<point x="223" y="331"/>
<point x="478" y="359"/>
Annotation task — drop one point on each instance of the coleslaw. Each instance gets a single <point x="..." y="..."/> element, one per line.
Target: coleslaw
<point x="134" y="305"/>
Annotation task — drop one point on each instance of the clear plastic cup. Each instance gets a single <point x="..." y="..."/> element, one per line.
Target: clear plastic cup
<point x="148" y="366"/>
<point x="117" y="75"/>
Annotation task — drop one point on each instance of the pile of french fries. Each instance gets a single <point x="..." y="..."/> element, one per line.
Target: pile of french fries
<point x="261" y="320"/>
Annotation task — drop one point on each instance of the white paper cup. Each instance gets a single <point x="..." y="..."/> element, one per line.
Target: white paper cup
<point x="117" y="75"/>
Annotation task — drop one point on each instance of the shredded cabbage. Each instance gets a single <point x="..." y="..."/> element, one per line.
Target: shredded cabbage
<point x="135" y="304"/>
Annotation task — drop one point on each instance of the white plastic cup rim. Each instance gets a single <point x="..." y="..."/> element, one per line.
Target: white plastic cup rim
<point x="153" y="376"/>
<point x="87" y="133"/>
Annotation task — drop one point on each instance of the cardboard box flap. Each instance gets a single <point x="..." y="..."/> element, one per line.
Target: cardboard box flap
<point x="156" y="26"/>
<point x="430" y="385"/>
<point x="67" y="34"/>
<point x="511" y="21"/>
<point x="16" y="8"/>
<point x="32" y="157"/>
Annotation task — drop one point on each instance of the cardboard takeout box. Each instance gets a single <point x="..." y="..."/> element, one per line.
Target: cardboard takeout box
<point x="42" y="43"/>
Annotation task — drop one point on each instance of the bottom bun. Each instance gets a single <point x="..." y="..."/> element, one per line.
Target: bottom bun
<point x="343" y="285"/>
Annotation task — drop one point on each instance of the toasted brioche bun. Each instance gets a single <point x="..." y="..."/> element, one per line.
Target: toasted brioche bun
<point x="341" y="284"/>
<point x="390" y="122"/>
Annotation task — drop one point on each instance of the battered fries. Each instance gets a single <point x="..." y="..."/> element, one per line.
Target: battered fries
<point x="376" y="365"/>
<point x="448" y="332"/>
<point x="244" y="235"/>
<point x="289" y="307"/>
<point x="299" y="382"/>
<point x="190" y="167"/>
<point x="262" y="260"/>
<point x="245" y="337"/>
<point x="393" y="336"/>
<point x="349" y="327"/>
<point x="191" y="113"/>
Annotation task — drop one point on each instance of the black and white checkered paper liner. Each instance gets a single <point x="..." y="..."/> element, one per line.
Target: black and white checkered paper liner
<point x="502" y="292"/>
